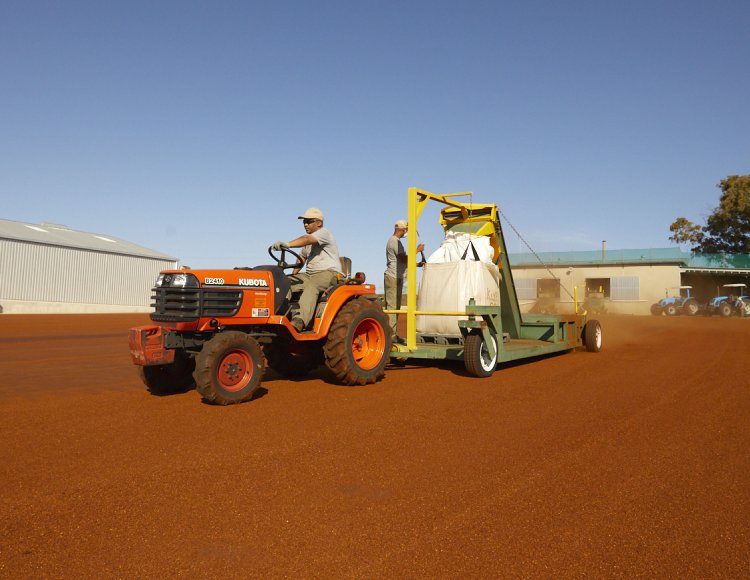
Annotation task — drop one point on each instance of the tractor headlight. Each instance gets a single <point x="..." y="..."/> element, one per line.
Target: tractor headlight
<point x="180" y="280"/>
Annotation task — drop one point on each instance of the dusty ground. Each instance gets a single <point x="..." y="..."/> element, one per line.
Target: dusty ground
<point x="631" y="462"/>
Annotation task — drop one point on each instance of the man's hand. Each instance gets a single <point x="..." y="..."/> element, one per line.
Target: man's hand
<point x="280" y="246"/>
<point x="420" y="248"/>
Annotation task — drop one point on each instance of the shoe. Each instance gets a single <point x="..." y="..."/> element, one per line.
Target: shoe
<point x="298" y="324"/>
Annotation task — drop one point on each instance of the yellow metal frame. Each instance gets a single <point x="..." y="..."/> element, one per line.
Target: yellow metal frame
<point x="417" y="200"/>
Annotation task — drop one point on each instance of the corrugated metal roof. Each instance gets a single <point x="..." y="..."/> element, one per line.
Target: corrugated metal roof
<point x="599" y="257"/>
<point x="687" y="260"/>
<point x="60" y="235"/>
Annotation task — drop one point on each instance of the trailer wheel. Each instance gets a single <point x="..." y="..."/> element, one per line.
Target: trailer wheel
<point x="169" y="379"/>
<point x="725" y="309"/>
<point x="358" y="344"/>
<point x="592" y="336"/>
<point x="229" y="368"/>
<point x="477" y="358"/>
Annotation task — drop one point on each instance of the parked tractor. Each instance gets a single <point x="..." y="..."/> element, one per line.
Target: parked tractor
<point x="734" y="302"/>
<point x="681" y="302"/>
<point x="220" y="329"/>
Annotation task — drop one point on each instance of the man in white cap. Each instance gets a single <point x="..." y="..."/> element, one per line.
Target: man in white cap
<point x="395" y="268"/>
<point x="321" y="256"/>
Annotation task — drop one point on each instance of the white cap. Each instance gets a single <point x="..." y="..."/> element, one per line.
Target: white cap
<point x="313" y="214"/>
<point x="401" y="224"/>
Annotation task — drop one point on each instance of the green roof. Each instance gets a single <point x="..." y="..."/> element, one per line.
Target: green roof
<point x="599" y="257"/>
<point x="632" y="257"/>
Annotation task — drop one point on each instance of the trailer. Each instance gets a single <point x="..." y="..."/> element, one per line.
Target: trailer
<point x="485" y="335"/>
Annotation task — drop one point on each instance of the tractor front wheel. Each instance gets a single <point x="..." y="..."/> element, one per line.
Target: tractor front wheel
<point x="670" y="310"/>
<point x="690" y="308"/>
<point x="358" y="344"/>
<point x="477" y="357"/>
<point x="229" y="368"/>
<point x="725" y="309"/>
<point x="170" y="379"/>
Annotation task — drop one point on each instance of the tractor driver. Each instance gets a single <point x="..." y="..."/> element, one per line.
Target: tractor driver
<point x="321" y="256"/>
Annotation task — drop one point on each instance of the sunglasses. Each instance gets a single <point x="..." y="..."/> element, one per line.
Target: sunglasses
<point x="308" y="221"/>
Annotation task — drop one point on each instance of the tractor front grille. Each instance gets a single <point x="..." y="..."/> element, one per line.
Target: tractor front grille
<point x="186" y="304"/>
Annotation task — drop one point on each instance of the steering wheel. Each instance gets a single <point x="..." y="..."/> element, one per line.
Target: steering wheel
<point x="281" y="260"/>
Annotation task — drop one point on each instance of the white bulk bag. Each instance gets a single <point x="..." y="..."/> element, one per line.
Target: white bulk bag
<point x="448" y="286"/>
<point x="455" y="245"/>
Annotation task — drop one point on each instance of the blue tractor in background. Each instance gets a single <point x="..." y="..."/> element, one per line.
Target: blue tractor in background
<point x="734" y="302"/>
<point x="682" y="302"/>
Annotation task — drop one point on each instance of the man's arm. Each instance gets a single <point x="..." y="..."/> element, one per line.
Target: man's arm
<point x="302" y="241"/>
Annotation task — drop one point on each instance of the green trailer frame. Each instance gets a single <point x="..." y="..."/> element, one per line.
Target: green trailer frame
<point x="491" y="334"/>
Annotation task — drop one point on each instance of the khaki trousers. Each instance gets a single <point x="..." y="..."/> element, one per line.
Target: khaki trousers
<point x="393" y="291"/>
<point x="312" y="285"/>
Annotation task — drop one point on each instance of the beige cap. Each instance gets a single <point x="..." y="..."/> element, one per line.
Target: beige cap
<point x="312" y="214"/>
<point x="401" y="224"/>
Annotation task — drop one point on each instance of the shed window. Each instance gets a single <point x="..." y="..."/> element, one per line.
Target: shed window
<point x="625" y="288"/>
<point x="526" y="288"/>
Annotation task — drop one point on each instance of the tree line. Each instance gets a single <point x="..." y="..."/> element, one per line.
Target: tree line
<point x="727" y="228"/>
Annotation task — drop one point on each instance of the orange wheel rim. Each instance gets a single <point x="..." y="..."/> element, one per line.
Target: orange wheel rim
<point x="368" y="344"/>
<point x="235" y="371"/>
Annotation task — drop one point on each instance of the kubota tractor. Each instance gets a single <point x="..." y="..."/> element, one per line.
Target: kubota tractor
<point x="220" y="329"/>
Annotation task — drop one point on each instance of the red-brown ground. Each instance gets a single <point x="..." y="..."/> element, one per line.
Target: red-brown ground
<point x="631" y="462"/>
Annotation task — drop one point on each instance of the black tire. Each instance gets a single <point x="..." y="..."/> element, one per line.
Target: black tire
<point x="745" y="309"/>
<point x="229" y="368"/>
<point x="690" y="308"/>
<point x="592" y="336"/>
<point x="292" y="359"/>
<point x="169" y="379"/>
<point x="359" y="343"/>
<point x="476" y="356"/>
<point x="670" y="310"/>
<point x="656" y="310"/>
<point x="725" y="309"/>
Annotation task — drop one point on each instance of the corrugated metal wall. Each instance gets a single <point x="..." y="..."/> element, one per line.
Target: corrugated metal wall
<point x="58" y="274"/>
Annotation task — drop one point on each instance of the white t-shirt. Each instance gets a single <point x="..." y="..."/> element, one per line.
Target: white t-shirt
<point x="321" y="256"/>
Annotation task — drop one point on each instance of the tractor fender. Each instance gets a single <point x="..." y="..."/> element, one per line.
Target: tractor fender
<point x="340" y="296"/>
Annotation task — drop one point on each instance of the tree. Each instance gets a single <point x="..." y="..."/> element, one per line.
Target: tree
<point x="685" y="232"/>
<point x="727" y="229"/>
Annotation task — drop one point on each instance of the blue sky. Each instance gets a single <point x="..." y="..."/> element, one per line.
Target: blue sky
<point x="203" y="129"/>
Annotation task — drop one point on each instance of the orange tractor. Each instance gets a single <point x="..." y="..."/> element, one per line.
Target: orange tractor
<point x="220" y="329"/>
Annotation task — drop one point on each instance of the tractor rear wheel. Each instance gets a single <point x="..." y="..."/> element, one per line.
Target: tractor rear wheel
<point x="477" y="358"/>
<point x="170" y="379"/>
<point x="358" y="344"/>
<point x="592" y="336"/>
<point x="229" y="368"/>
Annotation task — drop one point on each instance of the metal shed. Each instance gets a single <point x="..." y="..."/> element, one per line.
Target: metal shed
<point x="620" y="281"/>
<point x="51" y="268"/>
